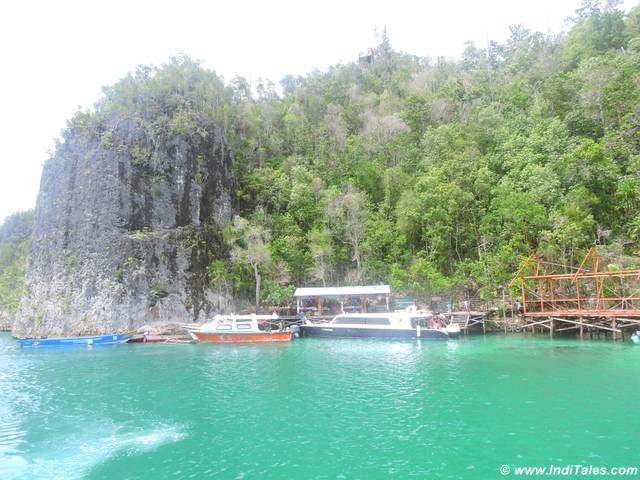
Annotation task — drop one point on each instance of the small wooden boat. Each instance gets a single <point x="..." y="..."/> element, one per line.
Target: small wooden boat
<point x="241" y="329"/>
<point x="74" y="341"/>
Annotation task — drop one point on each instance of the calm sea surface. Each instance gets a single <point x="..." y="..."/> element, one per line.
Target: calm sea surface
<point x="317" y="409"/>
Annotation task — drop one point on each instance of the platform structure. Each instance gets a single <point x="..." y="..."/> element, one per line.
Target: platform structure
<point x="468" y="319"/>
<point x="588" y="298"/>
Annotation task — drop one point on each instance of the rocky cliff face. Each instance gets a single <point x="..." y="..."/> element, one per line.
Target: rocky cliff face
<point x="128" y="218"/>
<point x="6" y="322"/>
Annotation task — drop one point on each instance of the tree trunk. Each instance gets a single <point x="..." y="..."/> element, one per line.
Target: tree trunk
<point x="604" y="126"/>
<point x="257" y="277"/>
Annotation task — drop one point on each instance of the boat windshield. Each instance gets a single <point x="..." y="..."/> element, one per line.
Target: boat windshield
<point x="361" y="321"/>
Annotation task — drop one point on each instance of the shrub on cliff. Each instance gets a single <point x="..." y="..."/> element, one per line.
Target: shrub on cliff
<point x="15" y="233"/>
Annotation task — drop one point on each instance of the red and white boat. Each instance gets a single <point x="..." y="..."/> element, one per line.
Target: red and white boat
<point x="241" y="329"/>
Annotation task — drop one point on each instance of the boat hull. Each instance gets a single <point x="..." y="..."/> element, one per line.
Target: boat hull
<point x="74" y="341"/>
<point x="235" y="337"/>
<point x="160" y="339"/>
<point x="347" y="332"/>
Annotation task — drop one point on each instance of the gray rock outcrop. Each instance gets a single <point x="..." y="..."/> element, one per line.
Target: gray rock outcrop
<point x="6" y="320"/>
<point x="128" y="218"/>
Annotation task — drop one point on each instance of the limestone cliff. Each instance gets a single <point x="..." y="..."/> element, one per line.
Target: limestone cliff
<point x="129" y="215"/>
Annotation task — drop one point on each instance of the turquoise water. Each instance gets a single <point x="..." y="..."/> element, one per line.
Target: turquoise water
<point x="317" y="409"/>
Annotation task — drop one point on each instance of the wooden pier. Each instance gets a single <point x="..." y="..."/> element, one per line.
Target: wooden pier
<point x="468" y="319"/>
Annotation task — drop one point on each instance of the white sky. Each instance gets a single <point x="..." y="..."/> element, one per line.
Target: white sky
<point x="56" y="55"/>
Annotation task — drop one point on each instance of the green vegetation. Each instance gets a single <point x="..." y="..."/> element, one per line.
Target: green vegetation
<point x="248" y="242"/>
<point x="72" y="262"/>
<point x="158" y="292"/>
<point x="427" y="174"/>
<point x="439" y="174"/>
<point x="15" y="233"/>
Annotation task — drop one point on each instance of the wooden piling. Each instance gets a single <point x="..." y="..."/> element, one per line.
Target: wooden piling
<point x="504" y="311"/>
<point x="581" y="329"/>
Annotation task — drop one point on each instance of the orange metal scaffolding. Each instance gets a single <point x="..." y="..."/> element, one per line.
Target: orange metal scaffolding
<point x="589" y="297"/>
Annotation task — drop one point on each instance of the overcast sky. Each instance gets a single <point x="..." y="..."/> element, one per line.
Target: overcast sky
<point x="57" y="55"/>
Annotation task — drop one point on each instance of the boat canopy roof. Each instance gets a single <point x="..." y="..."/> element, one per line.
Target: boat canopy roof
<point x="343" y="291"/>
<point x="245" y="318"/>
<point x="400" y="314"/>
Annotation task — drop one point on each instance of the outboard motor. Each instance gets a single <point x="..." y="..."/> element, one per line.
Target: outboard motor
<point x="296" y="330"/>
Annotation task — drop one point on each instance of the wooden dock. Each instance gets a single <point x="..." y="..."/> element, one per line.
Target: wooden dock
<point x="468" y="319"/>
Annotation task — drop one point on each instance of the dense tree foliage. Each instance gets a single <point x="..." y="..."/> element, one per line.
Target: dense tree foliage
<point x="434" y="174"/>
<point x="427" y="174"/>
<point x="15" y="233"/>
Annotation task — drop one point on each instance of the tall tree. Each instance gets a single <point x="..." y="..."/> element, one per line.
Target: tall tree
<point x="321" y="251"/>
<point x="348" y="214"/>
<point x="248" y="240"/>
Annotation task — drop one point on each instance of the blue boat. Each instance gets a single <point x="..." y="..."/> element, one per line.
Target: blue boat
<point x="74" y="341"/>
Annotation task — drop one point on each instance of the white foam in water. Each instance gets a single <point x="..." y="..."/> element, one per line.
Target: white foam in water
<point x="76" y="457"/>
<point x="13" y="466"/>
